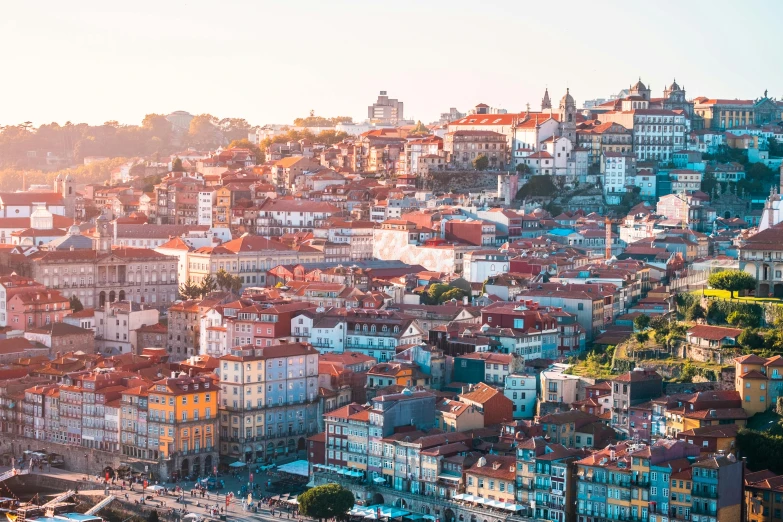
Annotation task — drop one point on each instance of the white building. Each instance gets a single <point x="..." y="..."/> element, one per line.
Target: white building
<point x="206" y="204"/>
<point x="685" y="180"/>
<point x="521" y="390"/>
<point x="357" y="234"/>
<point x="116" y="325"/>
<point x="618" y="173"/>
<point x="478" y="265"/>
<point x="657" y="133"/>
<point x="560" y="149"/>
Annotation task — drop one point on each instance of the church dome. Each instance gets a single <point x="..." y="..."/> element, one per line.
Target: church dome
<point x="68" y="177"/>
<point x="674" y="86"/>
<point x="639" y="86"/>
<point x="567" y="99"/>
<point x="58" y="178"/>
<point x="74" y="230"/>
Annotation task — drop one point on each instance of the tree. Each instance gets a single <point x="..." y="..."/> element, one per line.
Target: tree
<point x="208" y="285"/>
<point x="223" y="279"/>
<point x="327" y="501"/>
<point x="189" y="289"/>
<point x="732" y="281"/>
<point x="176" y="165"/>
<point x="203" y="131"/>
<point x="454" y="293"/>
<point x="481" y="162"/>
<point x="642" y="337"/>
<point x="750" y="338"/>
<point x="435" y="291"/>
<point x="641" y="322"/>
<point x="523" y="168"/>
<point x="540" y="186"/>
<point x="246" y="144"/>
<point x="741" y="319"/>
<point x="659" y="324"/>
<point x="153" y="516"/>
<point x="688" y="372"/>
<point x="235" y="284"/>
<point x="695" y="312"/>
<point x="76" y="304"/>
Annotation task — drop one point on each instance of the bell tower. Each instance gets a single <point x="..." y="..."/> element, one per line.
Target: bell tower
<point x="104" y="235"/>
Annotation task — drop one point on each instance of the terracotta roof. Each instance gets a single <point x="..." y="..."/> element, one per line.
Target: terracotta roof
<point x="481" y="393"/>
<point x="713" y="333"/>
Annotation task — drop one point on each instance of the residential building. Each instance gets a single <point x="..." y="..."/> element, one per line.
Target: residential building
<point x="268" y="400"/>
<point x="632" y="388"/>
<point x="117" y="324"/>
<point x="37" y="309"/>
<point x="183" y="423"/>
<point x="495" y="406"/>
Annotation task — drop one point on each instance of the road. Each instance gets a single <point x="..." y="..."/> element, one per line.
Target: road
<point x="234" y="511"/>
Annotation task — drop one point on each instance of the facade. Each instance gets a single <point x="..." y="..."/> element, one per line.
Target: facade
<point x="386" y="110"/>
<point x="269" y="400"/>
<point x="183" y="423"/>
<point x="464" y="146"/>
<point x="37" y="309"/>
<point x="117" y="324"/>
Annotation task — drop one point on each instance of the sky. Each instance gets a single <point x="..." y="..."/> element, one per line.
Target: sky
<point x="272" y="61"/>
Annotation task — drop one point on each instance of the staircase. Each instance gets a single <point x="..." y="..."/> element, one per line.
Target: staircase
<point x="12" y="473"/>
<point x="59" y="498"/>
<point x="100" y="505"/>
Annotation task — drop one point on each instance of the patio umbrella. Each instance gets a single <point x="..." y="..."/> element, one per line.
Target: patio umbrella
<point x="237" y="464"/>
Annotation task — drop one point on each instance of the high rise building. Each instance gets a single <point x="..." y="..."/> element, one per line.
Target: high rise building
<point x="385" y="110"/>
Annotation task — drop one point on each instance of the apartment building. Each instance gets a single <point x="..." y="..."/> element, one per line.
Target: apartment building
<point x="269" y="400"/>
<point x="117" y="325"/>
<point x="182" y="423"/>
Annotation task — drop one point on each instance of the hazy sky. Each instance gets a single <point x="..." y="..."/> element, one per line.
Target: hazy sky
<point x="272" y="61"/>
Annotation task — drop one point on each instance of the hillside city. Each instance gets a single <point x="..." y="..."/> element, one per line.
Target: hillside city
<point x="569" y="313"/>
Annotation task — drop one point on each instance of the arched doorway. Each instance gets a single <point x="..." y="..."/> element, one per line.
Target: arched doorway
<point x="112" y="296"/>
<point x="185" y="467"/>
<point x="259" y="452"/>
<point x="208" y="464"/>
<point x="401" y="503"/>
<point x="377" y="499"/>
<point x="197" y="466"/>
<point x="270" y="451"/>
<point x="102" y="299"/>
<point x="122" y="295"/>
<point x="248" y="453"/>
<point x="108" y="472"/>
<point x="280" y="450"/>
<point x="301" y="444"/>
<point x="291" y="445"/>
<point x="449" y="515"/>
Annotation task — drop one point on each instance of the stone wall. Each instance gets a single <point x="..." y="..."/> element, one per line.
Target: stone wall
<point x="461" y="181"/>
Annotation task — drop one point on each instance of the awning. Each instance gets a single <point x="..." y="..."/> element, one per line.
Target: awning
<point x="379" y="480"/>
<point x="237" y="464"/>
<point x="298" y="467"/>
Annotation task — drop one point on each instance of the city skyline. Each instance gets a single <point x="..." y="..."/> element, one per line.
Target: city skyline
<point x="103" y="63"/>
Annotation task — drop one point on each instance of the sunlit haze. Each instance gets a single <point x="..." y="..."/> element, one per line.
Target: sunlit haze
<point x="270" y="62"/>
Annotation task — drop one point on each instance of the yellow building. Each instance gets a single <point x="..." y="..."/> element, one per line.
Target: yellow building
<point x="751" y="383"/>
<point x="640" y="481"/>
<point x="492" y="477"/>
<point x="680" y="505"/>
<point x="183" y="420"/>
<point x="457" y="416"/>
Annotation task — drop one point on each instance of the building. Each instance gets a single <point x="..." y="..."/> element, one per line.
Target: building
<point x="763" y="492"/>
<point x="464" y="146"/>
<point x="761" y="255"/>
<point x="385" y="110"/>
<point x="117" y="325"/>
<point x="37" y="309"/>
<point x="632" y="388"/>
<point x="10" y="286"/>
<point x="457" y="416"/>
<point x="726" y="114"/>
<point x="759" y="382"/>
<point x="495" y="406"/>
<point x="269" y="400"/>
<point x="492" y="477"/>
<point x="183" y="423"/>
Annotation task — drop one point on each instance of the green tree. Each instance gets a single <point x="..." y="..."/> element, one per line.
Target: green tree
<point x="246" y="144"/>
<point x="435" y="291"/>
<point x="235" y="284"/>
<point x="176" y="165"/>
<point x="641" y="322"/>
<point x="741" y="319"/>
<point x="688" y="372"/>
<point x="223" y="279"/>
<point x="481" y="162"/>
<point x="454" y="293"/>
<point x="207" y="286"/>
<point x="695" y="312"/>
<point x="327" y="501"/>
<point x="642" y="337"/>
<point x="234" y="128"/>
<point x="189" y="289"/>
<point x="76" y="304"/>
<point x="750" y="338"/>
<point x="732" y="281"/>
<point x="523" y="168"/>
<point x="537" y="186"/>
<point x="659" y="323"/>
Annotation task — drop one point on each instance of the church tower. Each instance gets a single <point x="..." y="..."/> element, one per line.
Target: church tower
<point x="639" y="89"/>
<point x="68" y="192"/>
<point x="546" y="104"/>
<point x="103" y="232"/>
<point x="567" y="113"/>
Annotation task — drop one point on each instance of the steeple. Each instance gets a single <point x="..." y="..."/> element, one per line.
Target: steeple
<point x="546" y="103"/>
